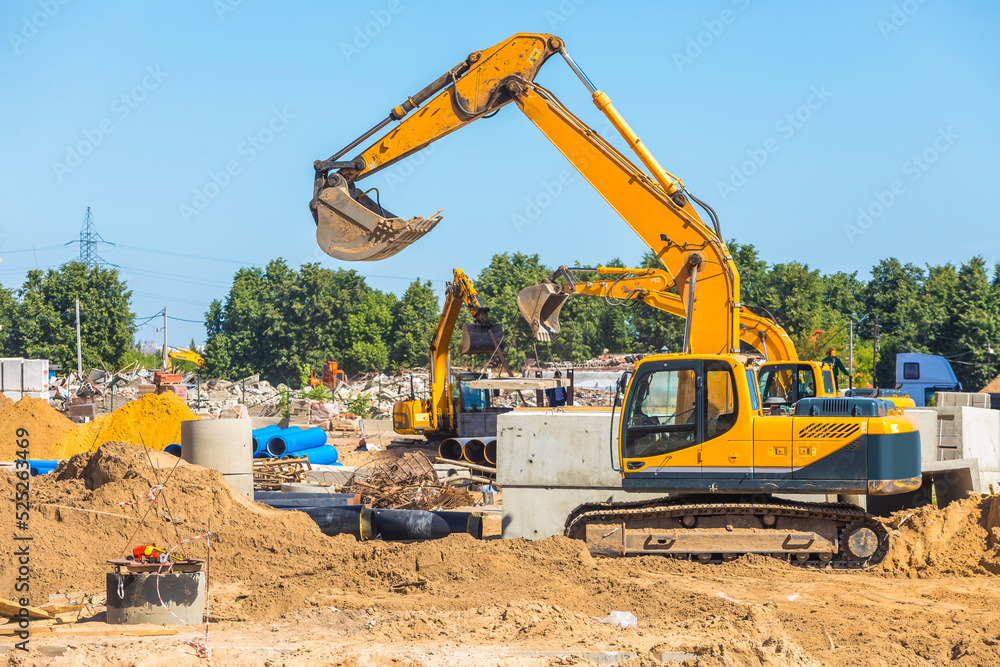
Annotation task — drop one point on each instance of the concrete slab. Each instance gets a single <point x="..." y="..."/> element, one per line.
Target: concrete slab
<point x="519" y="384"/>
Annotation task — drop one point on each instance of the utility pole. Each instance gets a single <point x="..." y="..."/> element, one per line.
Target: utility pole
<point x="79" y="352"/>
<point x="165" y="364"/>
<point x="850" y="357"/>
<point x="875" y="354"/>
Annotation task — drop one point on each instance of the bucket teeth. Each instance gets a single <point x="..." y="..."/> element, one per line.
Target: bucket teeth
<point x="540" y="305"/>
<point x="351" y="226"/>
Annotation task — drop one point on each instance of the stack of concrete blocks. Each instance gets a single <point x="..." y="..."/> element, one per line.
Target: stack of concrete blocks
<point x="960" y="452"/>
<point x="951" y="399"/>
<point x="24" y="377"/>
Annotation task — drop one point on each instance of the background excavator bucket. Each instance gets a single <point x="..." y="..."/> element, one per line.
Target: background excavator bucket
<point x="476" y="338"/>
<point x="353" y="227"/>
<point x="540" y="305"/>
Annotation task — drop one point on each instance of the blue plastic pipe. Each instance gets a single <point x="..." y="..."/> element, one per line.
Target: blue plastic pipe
<point x="42" y="467"/>
<point x="173" y="449"/>
<point x="325" y="455"/>
<point x="260" y="438"/>
<point x="294" y="439"/>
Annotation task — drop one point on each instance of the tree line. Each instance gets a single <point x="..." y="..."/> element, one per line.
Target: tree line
<point x="282" y="323"/>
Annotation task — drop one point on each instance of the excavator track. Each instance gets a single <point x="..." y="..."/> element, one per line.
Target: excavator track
<point x="714" y="530"/>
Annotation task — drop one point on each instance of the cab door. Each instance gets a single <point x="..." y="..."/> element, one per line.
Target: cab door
<point x="663" y="420"/>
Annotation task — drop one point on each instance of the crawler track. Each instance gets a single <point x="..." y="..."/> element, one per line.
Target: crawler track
<point x="713" y="530"/>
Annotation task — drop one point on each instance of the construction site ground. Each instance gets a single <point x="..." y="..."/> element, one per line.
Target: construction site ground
<point x="282" y="593"/>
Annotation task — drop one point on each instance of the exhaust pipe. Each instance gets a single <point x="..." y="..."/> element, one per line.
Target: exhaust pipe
<point x="353" y="227"/>
<point x="540" y="305"/>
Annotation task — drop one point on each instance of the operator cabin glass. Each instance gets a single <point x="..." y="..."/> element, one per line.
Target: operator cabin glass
<point x="663" y="417"/>
<point x="789" y="383"/>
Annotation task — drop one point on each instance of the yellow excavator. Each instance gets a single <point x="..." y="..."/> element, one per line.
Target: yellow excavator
<point x="181" y="354"/>
<point x="451" y="397"/>
<point x="692" y="425"/>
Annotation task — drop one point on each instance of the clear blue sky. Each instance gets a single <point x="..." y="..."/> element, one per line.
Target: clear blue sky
<point x="164" y="95"/>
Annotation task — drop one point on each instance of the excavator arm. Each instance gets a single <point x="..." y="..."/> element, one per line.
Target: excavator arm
<point x="541" y="304"/>
<point x="480" y="337"/>
<point x="352" y="226"/>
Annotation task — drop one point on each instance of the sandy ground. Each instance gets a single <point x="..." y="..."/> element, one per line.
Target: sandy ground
<point x="749" y="612"/>
<point x="284" y="594"/>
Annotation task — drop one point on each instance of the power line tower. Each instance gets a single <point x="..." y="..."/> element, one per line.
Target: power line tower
<point x="89" y="238"/>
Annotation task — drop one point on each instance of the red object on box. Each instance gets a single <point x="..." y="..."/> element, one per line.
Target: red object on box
<point x="161" y="377"/>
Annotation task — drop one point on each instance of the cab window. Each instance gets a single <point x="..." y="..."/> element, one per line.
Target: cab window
<point x="789" y="383"/>
<point x="663" y="415"/>
<point x="720" y="399"/>
<point x="752" y="385"/>
<point x="828" y="386"/>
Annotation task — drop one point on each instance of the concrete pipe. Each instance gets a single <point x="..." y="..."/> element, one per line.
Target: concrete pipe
<point x="490" y="452"/>
<point x="475" y="451"/>
<point x="220" y="444"/>
<point x="452" y="448"/>
<point x="183" y="593"/>
<point x="225" y="445"/>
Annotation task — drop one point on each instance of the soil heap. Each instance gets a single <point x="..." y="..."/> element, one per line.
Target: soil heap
<point x="153" y="420"/>
<point x="44" y="424"/>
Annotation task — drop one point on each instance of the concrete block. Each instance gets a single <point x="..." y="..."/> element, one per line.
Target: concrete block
<point x="12" y="379"/>
<point x="947" y="399"/>
<point x="550" y="448"/>
<point x="975" y="432"/>
<point x="927" y="423"/>
<point x="549" y="463"/>
<point x="35" y="375"/>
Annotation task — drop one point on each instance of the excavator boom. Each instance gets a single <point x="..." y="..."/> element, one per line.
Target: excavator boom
<point x="352" y="226"/>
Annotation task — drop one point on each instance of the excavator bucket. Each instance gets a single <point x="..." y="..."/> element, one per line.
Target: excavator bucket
<point x="540" y="305"/>
<point x="477" y="339"/>
<point x="353" y="227"/>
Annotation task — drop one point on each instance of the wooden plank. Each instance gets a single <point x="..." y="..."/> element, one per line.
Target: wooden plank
<point x="91" y="629"/>
<point x="11" y="608"/>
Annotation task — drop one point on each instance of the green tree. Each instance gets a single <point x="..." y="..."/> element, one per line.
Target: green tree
<point x="891" y="300"/>
<point x="44" y="326"/>
<point x="414" y="320"/>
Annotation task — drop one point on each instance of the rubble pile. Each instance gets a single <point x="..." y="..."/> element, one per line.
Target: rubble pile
<point x="216" y="394"/>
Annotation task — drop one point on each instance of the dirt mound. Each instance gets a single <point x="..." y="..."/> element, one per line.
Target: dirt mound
<point x="153" y="420"/>
<point x="44" y="424"/>
<point x="78" y="521"/>
<point x="5" y="402"/>
<point x="961" y="539"/>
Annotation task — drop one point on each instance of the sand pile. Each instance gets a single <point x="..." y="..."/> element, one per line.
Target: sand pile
<point x="45" y="425"/>
<point x="961" y="539"/>
<point x="157" y="418"/>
